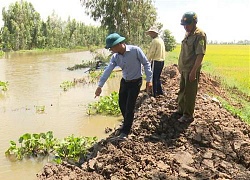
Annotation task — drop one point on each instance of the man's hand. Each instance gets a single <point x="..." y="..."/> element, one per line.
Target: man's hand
<point x="148" y="86"/>
<point x="98" y="91"/>
<point x="192" y="76"/>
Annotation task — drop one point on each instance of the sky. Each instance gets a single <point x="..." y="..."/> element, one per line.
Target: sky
<point x="221" y="20"/>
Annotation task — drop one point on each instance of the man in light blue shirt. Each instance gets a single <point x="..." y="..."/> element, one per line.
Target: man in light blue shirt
<point x="130" y="59"/>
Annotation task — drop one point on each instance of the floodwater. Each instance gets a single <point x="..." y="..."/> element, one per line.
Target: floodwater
<point x="34" y="81"/>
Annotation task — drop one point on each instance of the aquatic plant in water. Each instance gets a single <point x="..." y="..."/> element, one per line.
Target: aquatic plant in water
<point x="72" y="149"/>
<point x="4" y="85"/>
<point x="107" y="105"/>
<point x="67" y="84"/>
<point x="40" y="109"/>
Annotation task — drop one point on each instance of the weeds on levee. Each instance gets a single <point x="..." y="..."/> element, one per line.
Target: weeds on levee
<point x="107" y="105"/>
<point x="71" y="149"/>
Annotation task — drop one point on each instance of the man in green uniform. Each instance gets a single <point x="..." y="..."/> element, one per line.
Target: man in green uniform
<point x="193" y="49"/>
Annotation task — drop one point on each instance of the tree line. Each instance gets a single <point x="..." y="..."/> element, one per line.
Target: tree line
<point x="25" y="30"/>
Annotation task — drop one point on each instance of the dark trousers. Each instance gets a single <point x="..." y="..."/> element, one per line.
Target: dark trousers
<point x="128" y="94"/>
<point x="158" y="66"/>
<point x="187" y="94"/>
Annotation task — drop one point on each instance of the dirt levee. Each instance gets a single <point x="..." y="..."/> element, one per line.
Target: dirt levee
<point x="215" y="145"/>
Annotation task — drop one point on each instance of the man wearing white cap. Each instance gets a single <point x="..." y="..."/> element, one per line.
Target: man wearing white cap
<point x="156" y="54"/>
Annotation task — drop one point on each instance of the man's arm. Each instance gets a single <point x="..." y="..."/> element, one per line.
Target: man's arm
<point x="104" y="77"/>
<point x="192" y="75"/>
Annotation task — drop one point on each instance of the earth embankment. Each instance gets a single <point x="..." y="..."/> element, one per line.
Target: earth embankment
<point x="216" y="145"/>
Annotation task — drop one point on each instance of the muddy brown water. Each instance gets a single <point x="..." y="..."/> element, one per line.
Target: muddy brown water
<point x="34" y="81"/>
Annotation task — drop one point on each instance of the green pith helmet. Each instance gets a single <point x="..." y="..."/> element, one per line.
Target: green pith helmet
<point x="113" y="39"/>
<point x="188" y="18"/>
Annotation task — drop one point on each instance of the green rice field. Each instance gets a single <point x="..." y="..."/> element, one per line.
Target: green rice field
<point x="229" y="62"/>
<point x="231" y="65"/>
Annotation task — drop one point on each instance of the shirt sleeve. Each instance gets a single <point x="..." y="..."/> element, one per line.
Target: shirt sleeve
<point x="201" y="45"/>
<point x="107" y="72"/>
<point x="146" y="64"/>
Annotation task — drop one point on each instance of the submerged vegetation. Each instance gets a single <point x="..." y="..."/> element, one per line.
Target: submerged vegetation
<point x="80" y="66"/>
<point x="66" y="85"/>
<point x="107" y="105"/>
<point x="94" y="68"/>
<point x="40" y="109"/>
<point x="72" y="149"/>
<point x="99" y="62"/>
<point x="3" y="86"/>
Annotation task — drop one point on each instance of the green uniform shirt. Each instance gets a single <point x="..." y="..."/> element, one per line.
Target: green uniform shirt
<point x="156" y="50"/>
<point x="192" y="45"/>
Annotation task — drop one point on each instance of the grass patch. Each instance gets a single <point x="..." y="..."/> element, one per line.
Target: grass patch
<point x="243" y="113"/>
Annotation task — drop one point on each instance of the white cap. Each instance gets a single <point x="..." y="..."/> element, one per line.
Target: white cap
<point x="153" y="29"/>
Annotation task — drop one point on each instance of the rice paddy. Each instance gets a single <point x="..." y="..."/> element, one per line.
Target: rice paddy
<point x="231" y="63"/>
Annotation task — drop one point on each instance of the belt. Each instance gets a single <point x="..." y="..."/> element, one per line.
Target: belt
<point x="133" y="80"/>
<point x="158" y="60"/>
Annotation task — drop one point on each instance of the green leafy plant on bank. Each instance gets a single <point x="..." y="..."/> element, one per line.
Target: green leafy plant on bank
<point x="71" y="149"/>
<point x="107" y="105"/>
<point x="4" y="85"/>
